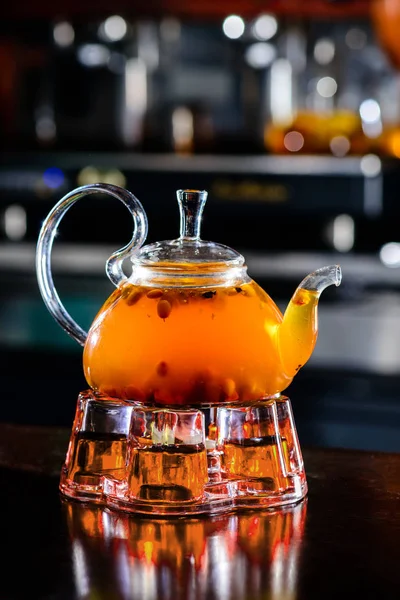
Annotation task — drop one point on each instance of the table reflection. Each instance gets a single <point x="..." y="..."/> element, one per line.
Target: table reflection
<point x="244" y="556"/>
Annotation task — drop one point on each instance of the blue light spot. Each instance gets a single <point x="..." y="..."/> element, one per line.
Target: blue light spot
<point x="53" y="178"/>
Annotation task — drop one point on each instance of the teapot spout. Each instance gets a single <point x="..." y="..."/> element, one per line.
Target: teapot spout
<point x="297" y="334"/>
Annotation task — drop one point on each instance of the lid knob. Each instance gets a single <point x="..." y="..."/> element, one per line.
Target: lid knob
<point x="191" y="204"/>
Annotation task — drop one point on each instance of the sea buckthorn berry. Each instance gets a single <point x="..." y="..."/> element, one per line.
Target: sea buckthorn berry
<point x="133" y="298"/>
<point x="164" y="309"/>
<point x="162" y="369"/>
<point x="154" y="294"/>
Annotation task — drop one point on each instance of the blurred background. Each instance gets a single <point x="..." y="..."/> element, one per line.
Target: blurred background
<point x="287" y="112"/>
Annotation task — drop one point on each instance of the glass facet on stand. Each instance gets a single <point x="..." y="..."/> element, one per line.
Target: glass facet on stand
<point x="260" y="451"/>
<point x="98" y="445"/>
<point x="168" y="461"/>
<point x="168" y="468"/>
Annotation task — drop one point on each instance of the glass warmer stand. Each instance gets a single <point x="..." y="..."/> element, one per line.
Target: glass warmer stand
<point x="162" y="461"/>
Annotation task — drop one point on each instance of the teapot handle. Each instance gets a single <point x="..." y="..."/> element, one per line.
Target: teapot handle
<point x="114" y="263"/>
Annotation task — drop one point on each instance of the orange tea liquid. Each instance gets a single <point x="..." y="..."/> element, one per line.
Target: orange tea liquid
<point x="186" y="346"/>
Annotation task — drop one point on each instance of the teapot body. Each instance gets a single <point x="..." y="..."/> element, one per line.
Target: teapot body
<point x="192" y="346"/>
<point x="189" y="327"/>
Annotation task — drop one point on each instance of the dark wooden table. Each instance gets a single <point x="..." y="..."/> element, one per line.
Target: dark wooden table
<point x="343" y="542"/>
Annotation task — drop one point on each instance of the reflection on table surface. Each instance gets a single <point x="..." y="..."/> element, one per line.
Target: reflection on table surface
<point x="242" y="556"/>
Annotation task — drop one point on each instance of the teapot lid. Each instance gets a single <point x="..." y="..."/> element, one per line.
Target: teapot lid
<point x="188" y="252"/>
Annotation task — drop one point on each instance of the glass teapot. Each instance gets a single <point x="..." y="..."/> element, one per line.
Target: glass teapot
<point x="189" y="327"/>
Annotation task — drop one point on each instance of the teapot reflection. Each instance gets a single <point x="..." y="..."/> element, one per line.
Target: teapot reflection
<point x="242" y="556"/>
